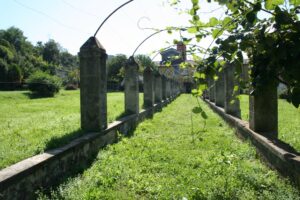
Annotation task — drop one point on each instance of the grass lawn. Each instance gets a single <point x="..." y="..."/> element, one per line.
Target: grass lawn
<point x="167" y="158"/>
<point x="30" y="126"/>
<point x="288" y="121"/>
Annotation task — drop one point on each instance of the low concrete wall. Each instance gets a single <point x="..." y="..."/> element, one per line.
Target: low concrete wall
<point x="276" y="153"/>
<point x="22" y="179"/>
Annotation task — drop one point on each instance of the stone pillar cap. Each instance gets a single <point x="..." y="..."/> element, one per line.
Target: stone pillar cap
<point x="92" y="43"/>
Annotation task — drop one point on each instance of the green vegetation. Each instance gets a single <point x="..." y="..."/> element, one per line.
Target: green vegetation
<point x="288" y="121"/>
<point x="29" y="126"/>
<point x="43" y="85"/>
<point x="171" y="158"/>
<point x="19" y="59"/>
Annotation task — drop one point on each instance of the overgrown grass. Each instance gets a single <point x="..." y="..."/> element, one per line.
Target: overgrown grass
<point x="30" y="126"/>
<point x="288" y="121"/>
<point x="169" y="159"/>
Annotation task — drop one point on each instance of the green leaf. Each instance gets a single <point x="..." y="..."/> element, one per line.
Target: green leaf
<point x="251" y="17"/>
<point x="295" y="2"/>
<point x="271" y="4"/>
<point x="213" y="21"/>
<point x="192" y="30"/>
<point x="216" y="33"/>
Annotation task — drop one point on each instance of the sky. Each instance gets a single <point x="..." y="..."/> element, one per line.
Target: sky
<point x="72" y="22"/>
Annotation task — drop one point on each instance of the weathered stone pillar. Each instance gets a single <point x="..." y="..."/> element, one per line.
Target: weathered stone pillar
<point x="164" y="88"/>
<point x="211" y="88"/>
<point x="168" y="88"/>
<point x="220" y="90"/>
<point x="232" y="103"/>
<point x="158" y="88"/>
<point x="263" y="114"/>
<point x="148" y="88"/>
<point x="131" y="87"/>
<point x="93" y="86"/>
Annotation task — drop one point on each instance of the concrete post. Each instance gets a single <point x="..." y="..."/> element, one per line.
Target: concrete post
<point x="131" y="87"/>
<point x="164" y="88"/>
<point x="232" y="103"/>
<point x="93" y="97"/>
<point x="211" y="89"/>
<point x="148" y="88"/>
<point x="220" y="90"/>
<point x="158" y="88"/>
<point x="263" y="114"/>
<point x="168" y="87"/>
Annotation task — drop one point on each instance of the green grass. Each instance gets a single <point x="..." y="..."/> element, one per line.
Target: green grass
<point x="30" y="126"/>
<point x="288" y="121"/>
<point x="166" y="160"/>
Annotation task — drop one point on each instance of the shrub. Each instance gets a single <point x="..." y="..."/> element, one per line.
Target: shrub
<point x="43" y="84"/>
<point x="71" y="87"/>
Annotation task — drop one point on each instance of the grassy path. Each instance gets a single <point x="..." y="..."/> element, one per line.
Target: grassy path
<point x="288" y="121"/>
<point x="29" y="126"/>
<point x="165" y="160"/>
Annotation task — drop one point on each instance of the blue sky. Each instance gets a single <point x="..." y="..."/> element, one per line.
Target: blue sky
<point x="72" y="22"/>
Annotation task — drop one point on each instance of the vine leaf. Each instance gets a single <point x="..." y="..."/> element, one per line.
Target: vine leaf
<point x="271" y="4"/>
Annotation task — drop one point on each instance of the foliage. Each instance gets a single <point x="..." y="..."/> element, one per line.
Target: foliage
<point x="24" y="59"/>
<point x="43" y="84"/>
<point x="144" y="61"/>
<point x="271" y="43"/>
<point x="31" y="126"/>
<point x="162" y="161"/>
<point x="114" y="66"/>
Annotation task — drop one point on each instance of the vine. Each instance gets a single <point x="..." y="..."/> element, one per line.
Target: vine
<point x="271" y="44"/>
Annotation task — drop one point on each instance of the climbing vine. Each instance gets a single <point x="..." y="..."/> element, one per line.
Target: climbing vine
<point x="271" y="43"/>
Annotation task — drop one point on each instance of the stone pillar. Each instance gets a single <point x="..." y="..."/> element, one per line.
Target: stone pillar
<point x="263" y="113"/>
<point x="131" y="87"/>
<point x="168" y="92"/>
<point x="158" y="88"/>
<point x="164" y="88"/>
<point x="211" y="88"/>
<point x="148" y="88"/>
<point x="220" y="90"/>
<point x="232" y="103"/>
<point x="93" y="86"/>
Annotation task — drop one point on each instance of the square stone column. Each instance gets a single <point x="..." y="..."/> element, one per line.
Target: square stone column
<point x="148" y="88"/>
<point x="211" y="89"/>
<point x="232" y="103"/>
<point x="220" y="90"/>
<point x="263" y="113"/>
<point x="158" y="88"/>
<point x="164" y="87"/>
<point x="131" y="87"/>
<point x="93" y="86"/>
<point x="168" y="88"/>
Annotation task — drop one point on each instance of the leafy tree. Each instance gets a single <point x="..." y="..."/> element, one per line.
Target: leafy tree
<point x="144" y="61"/>
<point x="114" y="66"/>
<point x="51" y="51"/>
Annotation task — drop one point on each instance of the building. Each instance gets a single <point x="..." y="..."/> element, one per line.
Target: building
<point x="174" y="64"/>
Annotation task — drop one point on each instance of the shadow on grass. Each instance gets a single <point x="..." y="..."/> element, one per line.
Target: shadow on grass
<point x="31" y="95"/>
<point x="56" y="142"/>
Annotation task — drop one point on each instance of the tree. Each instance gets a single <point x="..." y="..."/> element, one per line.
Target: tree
<point x="144" y="61"/>
<point x="114" y="66"/>
<point x="51" y="52"/>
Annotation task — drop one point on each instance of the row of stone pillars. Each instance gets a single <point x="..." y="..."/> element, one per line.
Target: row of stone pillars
<point x="263" y="105"/>
<point x="93" y="87"/>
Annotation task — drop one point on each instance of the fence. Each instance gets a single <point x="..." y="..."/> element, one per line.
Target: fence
<point x="22" y="179"/>
<point x="262" y="128"/>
